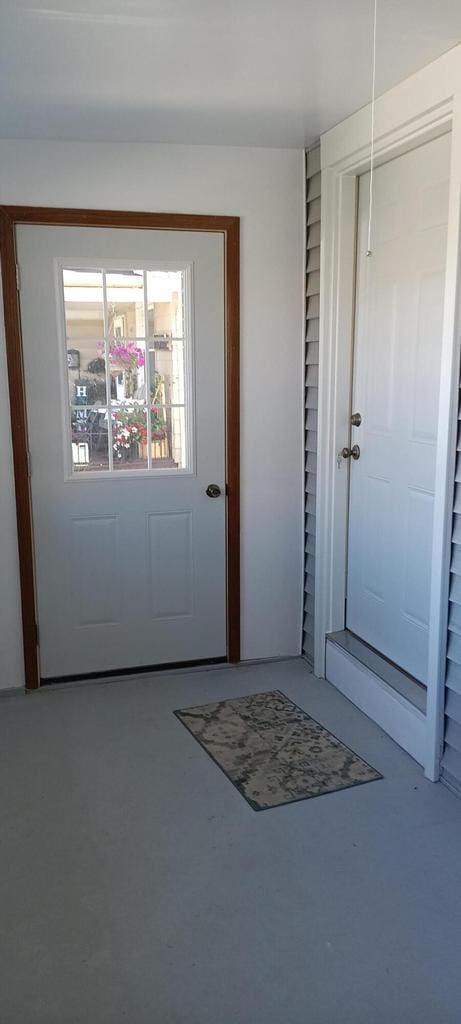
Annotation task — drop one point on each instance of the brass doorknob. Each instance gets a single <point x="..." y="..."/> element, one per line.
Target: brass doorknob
<point x="213" y="491"/>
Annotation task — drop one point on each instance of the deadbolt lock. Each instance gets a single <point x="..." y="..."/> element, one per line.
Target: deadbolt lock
<point x="356" y="419"/>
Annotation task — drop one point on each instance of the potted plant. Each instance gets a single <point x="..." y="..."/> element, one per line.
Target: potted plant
<point x="129" y="434"/>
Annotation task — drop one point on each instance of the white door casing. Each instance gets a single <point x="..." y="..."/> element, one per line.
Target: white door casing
<point x="424" y="106"/>
<point x="397" y="353"/>
<point x="130" y="565"/>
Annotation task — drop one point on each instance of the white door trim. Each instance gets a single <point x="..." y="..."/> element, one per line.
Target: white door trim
<point x="400" y="719"/>
<point x="414" y="112"/>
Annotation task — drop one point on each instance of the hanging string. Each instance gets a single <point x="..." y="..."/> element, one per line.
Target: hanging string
<point x="372" y="132"/>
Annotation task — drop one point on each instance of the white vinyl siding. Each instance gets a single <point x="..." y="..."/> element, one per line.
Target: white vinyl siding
<point x="451" y="761"/>
<point x="311" y="388"/>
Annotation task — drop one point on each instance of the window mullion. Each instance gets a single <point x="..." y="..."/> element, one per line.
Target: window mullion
<point x="108" y="378"/>
<point x="147" y="376"/>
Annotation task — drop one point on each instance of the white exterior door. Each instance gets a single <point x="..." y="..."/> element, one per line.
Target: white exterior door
<point x="398" y="335"/>
<point x="123" y="335"/>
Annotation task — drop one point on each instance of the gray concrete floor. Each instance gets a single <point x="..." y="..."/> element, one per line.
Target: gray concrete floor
<point x="137" y="885"/>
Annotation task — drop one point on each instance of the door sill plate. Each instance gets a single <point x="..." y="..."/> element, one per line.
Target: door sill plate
<point x="135" y="670"/>
<point x="406" y="685"/>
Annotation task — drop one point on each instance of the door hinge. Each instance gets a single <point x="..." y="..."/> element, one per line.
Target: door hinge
<point x="18" y="278"/>
<point x="29" y="465"/>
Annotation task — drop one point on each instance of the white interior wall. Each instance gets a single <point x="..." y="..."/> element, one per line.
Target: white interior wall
<point x="265" y="188"/>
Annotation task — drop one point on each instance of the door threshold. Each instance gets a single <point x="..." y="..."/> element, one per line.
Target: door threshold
<point x="388" y="671"/>
<point x="399" y="717"/>
<point x="179" y="668"/>
<point x="118" y="673"/>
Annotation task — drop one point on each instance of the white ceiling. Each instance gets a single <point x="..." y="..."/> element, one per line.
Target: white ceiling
<point x="241" y="72"/>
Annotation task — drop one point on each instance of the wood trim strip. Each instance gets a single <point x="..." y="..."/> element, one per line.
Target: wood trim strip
<point x="118" y="219"/>
<point x="233" y="436"/>
<point x="10" y="216"/>
<point x="20" y="447"/>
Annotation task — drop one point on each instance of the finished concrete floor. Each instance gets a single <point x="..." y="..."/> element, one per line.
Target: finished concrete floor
<point x="138" y="886"/>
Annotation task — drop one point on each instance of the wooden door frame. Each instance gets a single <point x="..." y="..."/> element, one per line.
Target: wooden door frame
<point x="229" y="227"/>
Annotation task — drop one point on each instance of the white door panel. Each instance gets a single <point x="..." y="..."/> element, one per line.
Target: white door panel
<point x="130" y="551"/>
<point x="398" y="335"/>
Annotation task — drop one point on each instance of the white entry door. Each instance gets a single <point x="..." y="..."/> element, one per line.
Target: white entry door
<point x="398" y="335"/>
<point x="123" y="335"/>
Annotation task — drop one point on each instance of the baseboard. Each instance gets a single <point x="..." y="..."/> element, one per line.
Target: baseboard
<point x="12" y="691"/>
<point x="400" y="719"/>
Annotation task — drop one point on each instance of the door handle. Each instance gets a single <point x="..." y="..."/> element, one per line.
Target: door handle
<point x="213" y="491"/>
<point x="350" y="453"/>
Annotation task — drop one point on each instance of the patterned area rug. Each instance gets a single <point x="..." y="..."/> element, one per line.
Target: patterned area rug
<point x="272" y="751"/>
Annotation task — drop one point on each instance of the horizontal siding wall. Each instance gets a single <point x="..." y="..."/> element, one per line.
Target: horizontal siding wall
<point x="451" y="761"/>
<point x="311" y="387"/>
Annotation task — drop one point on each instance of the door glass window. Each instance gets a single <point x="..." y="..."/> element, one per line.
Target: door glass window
<point x="128" y="356"/>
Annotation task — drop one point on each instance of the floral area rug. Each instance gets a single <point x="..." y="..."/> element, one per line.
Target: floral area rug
<point x="272" y="751"/>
